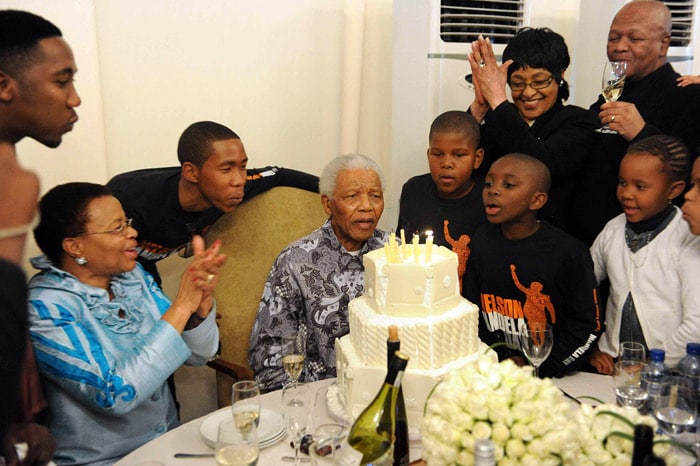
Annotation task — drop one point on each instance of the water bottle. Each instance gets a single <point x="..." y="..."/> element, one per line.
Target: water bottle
<point x="652" y="375"/>
<point x="484" y="453"/>
<point x="689" y="366"/>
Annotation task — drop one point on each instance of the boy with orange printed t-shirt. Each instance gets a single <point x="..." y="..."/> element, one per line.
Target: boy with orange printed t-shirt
<point x="525" y="272"/>
<point x="448" y="199"/>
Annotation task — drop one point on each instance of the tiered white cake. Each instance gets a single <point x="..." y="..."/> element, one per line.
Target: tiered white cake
<point x="438" y="328"/>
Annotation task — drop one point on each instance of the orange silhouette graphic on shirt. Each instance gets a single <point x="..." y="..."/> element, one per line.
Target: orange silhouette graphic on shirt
<point x="461" y="248"/>
<point x="536" y="305"/>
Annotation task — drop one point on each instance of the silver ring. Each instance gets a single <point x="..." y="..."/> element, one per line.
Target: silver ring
<point x="210" y="278"/>
<point x="612" y="119"/>
<point x="482" y="64"/>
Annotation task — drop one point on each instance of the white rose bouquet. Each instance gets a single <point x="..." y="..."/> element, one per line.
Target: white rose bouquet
<point x="606" y="435"/>
<point x="528" y="419"/>
<point x="525" y="417"/>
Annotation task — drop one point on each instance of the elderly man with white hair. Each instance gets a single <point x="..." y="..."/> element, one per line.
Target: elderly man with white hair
<point x="313" y="279"/>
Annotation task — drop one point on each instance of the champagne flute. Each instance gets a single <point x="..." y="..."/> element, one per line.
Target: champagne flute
<point x="245" y="404"/>
<point x="235" y="447"/>
<point x="295" y="407"/>
<point x="293" y="351"/>
<point x="536" y="344"/>
<point x="613" y="83"/>
<point x="628" y="383"/>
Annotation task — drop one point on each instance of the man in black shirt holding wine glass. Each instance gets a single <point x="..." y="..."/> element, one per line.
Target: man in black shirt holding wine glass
<point x="651" y="103"/>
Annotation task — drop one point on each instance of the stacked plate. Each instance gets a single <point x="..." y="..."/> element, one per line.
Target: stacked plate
<point x="270" y="428"/>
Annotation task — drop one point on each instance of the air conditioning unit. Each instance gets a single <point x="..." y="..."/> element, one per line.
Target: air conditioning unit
<point x="684" y="14"/>
<point x="454" y="25"/>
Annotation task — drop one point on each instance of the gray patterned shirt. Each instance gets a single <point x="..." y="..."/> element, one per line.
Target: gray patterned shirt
<point x="308" y="289"/>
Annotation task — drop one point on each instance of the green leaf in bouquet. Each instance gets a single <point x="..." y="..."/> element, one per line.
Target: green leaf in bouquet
<point x="617" y="416"/>
<point x="592" y="398"/>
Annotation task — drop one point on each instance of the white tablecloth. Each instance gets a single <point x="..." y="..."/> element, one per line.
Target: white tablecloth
<point x="187" y="438"/>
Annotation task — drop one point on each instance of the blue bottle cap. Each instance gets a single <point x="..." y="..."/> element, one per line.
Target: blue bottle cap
<point x="657" y="355"/>
<point x="693" y="348"/>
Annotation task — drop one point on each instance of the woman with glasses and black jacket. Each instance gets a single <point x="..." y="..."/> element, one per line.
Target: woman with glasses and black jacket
<point x="536" y="122"/>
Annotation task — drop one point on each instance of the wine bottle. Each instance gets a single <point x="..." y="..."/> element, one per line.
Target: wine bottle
<point x="393" y="344"/>
<point x="371" y="436"/>
<point x="653" y="460"/>
<point x="643" y="443"/>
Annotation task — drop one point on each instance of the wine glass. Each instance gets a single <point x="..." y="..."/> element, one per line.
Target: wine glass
<point x="297" y="413"/>
<point x="613" y="82"/>
<point x="632" y="351"/>
<point x="536" y="344"/>
<point x="245" y="404"/>
<point x="628" y="383"/>
<point x="675" y="408"/>
<point x="293" y="351"/>
<point x="235" y="447"/>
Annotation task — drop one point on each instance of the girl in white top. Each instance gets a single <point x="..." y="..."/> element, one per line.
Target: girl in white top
<point x="649" y="256"/>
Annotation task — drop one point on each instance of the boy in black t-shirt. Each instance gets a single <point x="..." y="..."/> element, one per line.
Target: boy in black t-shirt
<point x="525" y="272"/>
<point x="448" y="199"/>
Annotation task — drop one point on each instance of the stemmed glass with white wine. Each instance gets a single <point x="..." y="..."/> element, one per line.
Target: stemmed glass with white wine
<point x="613" y="82"/>
<point x="245" y="404"/>
<point x="293" y="351"/>
<point x="536" y="344"/>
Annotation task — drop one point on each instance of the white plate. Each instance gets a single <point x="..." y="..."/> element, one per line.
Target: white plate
<point x="273" y="440"/>
<point x="270" y="428"/>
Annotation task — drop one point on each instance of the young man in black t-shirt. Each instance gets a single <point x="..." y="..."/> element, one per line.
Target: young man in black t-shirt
<point x="170" y="205"/>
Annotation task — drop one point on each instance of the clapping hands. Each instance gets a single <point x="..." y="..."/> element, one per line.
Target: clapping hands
<point x="488" y="77"/>
<point x="194" y="298"/>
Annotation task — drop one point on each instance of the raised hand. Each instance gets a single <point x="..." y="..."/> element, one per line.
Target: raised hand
<point x="198" y="281"/>
<point x="489" y="78"/>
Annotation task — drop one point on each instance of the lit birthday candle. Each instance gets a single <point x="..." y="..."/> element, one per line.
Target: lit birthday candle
<point x="428" y="246"/>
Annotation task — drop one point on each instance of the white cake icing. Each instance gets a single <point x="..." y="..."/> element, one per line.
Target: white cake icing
<point x="438" y="328"/>
<point x="432" y="341"/>
<point x="410" y="288"/>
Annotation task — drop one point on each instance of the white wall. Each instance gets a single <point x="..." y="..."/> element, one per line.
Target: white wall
<point x="258" y="67"/>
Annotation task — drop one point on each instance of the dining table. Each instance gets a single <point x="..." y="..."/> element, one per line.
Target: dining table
<point x="188" y="438"/>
